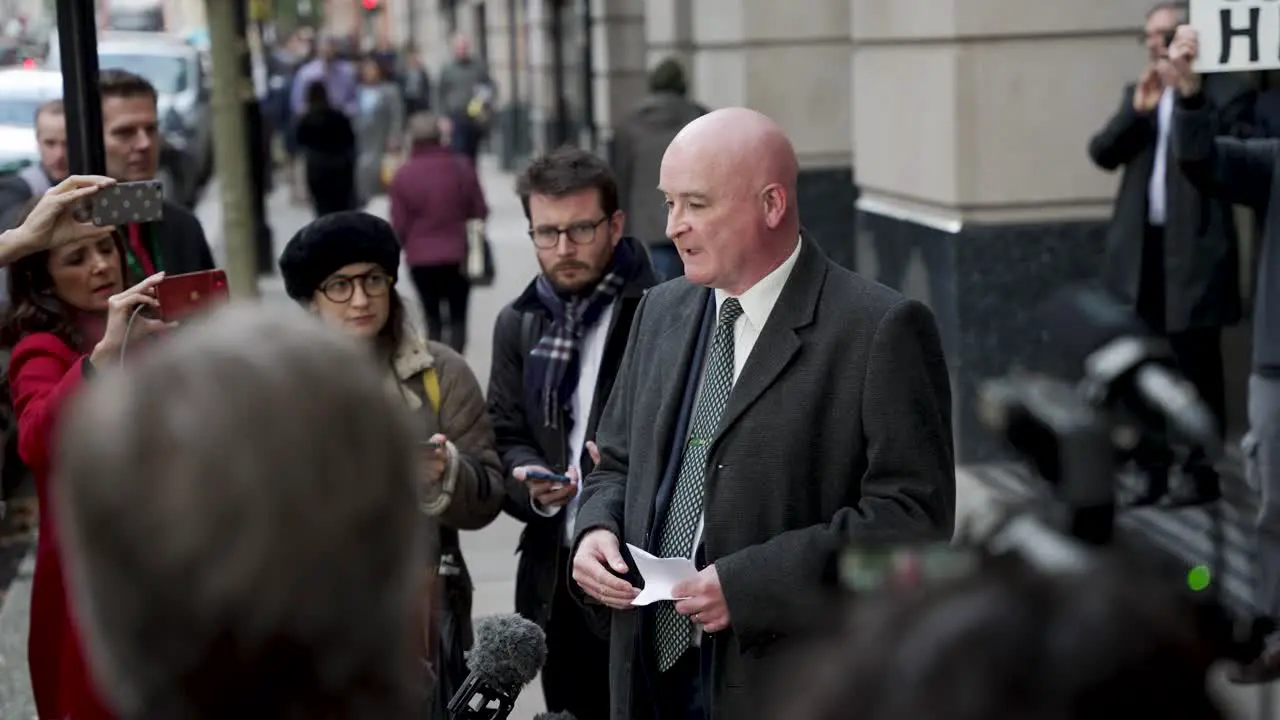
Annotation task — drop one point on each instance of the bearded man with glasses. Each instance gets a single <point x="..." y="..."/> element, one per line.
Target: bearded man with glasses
<point x="556" y="350"/>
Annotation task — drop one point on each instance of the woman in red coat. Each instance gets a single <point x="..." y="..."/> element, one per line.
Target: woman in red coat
<point x="68" y="314"/>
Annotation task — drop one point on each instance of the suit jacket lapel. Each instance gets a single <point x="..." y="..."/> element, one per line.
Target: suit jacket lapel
<point x="778" y="341"/>
<point x="680" y="342"/>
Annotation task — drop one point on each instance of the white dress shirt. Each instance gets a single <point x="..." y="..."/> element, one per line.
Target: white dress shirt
<point x="1157" y="186"/>
<point x="590" y="357"/>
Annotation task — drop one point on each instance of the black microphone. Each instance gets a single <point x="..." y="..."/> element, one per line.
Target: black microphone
<point x="508" y="653"/>
<point x="554" y="716"/>
<point x="1125" y="365"/>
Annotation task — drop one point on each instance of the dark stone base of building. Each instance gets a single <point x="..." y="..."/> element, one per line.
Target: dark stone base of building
<point x="826" y="197"/>
<point x="985" y="284"/>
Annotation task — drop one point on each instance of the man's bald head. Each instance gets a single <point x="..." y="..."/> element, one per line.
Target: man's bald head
<point x="730" y="182"/>
<point x="749" y="145"/>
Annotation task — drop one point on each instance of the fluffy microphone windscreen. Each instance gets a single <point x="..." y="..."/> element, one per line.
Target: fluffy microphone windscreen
<point x="509" y="650"/>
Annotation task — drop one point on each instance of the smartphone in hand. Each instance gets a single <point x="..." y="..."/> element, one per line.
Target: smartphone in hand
<point x="182" y="296"/>
<point x="548" y="477"/>
<point x="128" y="202"/>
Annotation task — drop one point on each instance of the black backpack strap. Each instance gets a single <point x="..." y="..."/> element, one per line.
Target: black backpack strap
<point x="528" y="332"/>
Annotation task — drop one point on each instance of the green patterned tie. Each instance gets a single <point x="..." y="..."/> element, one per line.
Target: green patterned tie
<point x="674" y="631"/>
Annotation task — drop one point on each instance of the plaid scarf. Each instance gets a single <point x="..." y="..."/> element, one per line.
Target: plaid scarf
<point x="553" y="360"/>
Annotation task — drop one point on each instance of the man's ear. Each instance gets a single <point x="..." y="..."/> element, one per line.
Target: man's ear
<point x="775" y="201"/>
<point x="617" y="224"/>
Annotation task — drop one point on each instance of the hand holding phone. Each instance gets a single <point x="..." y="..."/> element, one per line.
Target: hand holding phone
<point x="533" y="474"/>
<point x="121" y="324"/>
<point x="437" y="458"/>
<point x="436" y="489"/>
<point x="548" y="489"/>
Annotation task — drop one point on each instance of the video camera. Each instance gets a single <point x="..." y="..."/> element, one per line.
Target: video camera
<point x="1074" y="434"/>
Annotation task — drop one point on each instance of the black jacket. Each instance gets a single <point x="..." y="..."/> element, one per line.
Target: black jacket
<point x="14" y="194"/>
<point x="1242" y="172"/>
<point x="183" y="243"/>
<point x="523" y="439"/>
<point x="1201" y="261"/>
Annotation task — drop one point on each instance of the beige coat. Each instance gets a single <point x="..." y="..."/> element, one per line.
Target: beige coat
<point x="470" y="494"/>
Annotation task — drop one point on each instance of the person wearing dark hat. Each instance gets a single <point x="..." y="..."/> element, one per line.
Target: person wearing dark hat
<point x="638" y="146"/>
<point x="343" y="267"/>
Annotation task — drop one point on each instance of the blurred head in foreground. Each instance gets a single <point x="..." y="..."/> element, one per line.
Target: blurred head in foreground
<point x="240" y="506"/>
<point x="1011" y="644"/>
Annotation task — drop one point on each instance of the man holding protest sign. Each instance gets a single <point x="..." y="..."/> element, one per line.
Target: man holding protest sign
<point x="1244" y="172"/>
<point x="1171" y="250"/>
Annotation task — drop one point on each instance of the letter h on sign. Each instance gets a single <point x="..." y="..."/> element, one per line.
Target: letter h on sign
<point x="1237" y="35"/>
<point x="1230" y="33"/>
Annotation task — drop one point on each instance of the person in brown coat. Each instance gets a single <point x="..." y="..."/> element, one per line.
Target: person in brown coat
<point x="344" y="267"/>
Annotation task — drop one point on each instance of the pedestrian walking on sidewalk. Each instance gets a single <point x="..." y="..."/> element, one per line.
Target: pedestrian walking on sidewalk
<point x="379" y="129"/>
<point x="328" y="144"/>
<point x="434" y="196"/>
<point x="637" y="150"/>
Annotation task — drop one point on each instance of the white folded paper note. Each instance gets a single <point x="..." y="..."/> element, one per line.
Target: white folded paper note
<point x="660" y="575"/>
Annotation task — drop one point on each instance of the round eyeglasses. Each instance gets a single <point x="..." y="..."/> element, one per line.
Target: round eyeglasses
<point x="579" y="233"/>
<point x="340" y="289"/>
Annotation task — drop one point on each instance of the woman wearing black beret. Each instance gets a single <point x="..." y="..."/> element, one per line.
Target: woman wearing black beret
<point x="344" y="267"/>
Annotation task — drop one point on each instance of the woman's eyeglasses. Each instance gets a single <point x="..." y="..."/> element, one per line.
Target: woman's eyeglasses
<point x="579" y="233"/>
<point x="375" y="283"/>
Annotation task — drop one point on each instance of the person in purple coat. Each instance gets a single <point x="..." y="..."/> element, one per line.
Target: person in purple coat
<point x="434" y="195"/>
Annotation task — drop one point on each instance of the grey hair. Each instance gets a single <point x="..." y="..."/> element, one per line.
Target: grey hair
<point x="424" y="128"/>
<point x="1178" y="7"/>
<point x="239" y="510"/>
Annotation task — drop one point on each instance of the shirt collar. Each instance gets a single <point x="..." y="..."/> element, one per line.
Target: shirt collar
<point x="758" y="301"/>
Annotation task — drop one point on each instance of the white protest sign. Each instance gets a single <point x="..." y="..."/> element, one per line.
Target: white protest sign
<point x="1237" y="35"/>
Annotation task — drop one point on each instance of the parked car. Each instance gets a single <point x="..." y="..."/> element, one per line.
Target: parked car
<point x="174" y="67"/>
<point x="140" y="17"/>
<point x="23" y="91"/>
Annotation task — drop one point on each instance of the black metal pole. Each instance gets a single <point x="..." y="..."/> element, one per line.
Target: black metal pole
<point x="588" y="78"/>
<point x="78" y="50"/>
<point x="560" y="129"/>
<point x="517" y="123"/>
<point x="257" y="148"/>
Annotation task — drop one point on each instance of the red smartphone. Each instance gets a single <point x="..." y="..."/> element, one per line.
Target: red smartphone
<point x="182" y="296"/>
